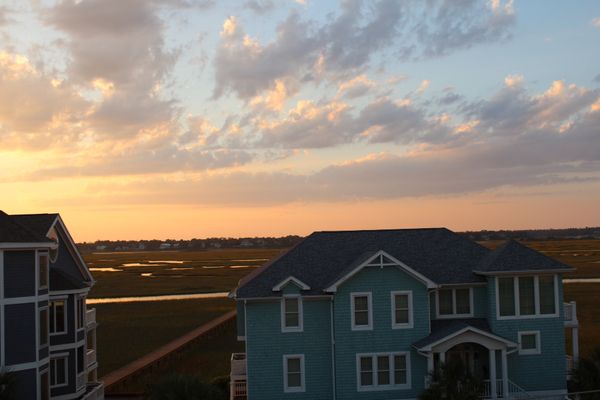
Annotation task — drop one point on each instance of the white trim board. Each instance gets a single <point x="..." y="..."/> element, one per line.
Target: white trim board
<point x="426" y="281"/>
<point x="290" y="279"/>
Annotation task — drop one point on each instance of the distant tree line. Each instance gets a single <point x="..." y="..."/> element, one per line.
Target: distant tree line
<point x="290" y="240"/>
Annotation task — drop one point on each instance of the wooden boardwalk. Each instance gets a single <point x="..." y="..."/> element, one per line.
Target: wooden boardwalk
<point x="162" y="353"/>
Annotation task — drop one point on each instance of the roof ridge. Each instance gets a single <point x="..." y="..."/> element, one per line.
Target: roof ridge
<point x="383" y="230"/>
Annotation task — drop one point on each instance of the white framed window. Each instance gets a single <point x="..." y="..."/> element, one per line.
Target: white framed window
<point x="361" y="308"/>
<point x="455" y="302"/>
<point x="402" y="309"/>
<point x="80" y="312"/>
<point x="43" y="326"/>
<point x="526" y="297"/>
<point x="59" y="375"/>
<point x="529" y="343"/>
<point x="383" y="371"/>
<point x="43" y="261"/>
<point x="293" y="373"/>
<point x="292" y="314"/>
<point x="58" y="316"/>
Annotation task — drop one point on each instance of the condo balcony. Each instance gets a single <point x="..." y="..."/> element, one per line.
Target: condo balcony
<point x="238" y="377"/>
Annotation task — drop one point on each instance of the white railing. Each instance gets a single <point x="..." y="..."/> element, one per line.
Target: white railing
<point x="81" y="381"/>
<point x="90" y="357"/>
<point x="238" y="365"/>
<point x="570" y="366"/>
<point x="514" y="391"/>
<point x="237" y="390"/>
<point x="90" y="316"/>
<point x="570" y="311"/>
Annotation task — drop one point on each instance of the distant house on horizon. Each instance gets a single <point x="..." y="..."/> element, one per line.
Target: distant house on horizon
<point x="48" y="336"/>
<point x="369" y="315"/>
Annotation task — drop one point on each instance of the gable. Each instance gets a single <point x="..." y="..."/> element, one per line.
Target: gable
<point x="69" y="260"/>
<point x="380" y="260"/>
<point x="290" y="283"/>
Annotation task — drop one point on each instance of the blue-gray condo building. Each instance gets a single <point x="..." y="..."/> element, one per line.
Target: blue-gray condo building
<point x="47" y="335"/>
<point x="370" y="314"/>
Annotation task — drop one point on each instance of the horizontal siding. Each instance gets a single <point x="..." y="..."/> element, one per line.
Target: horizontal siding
<point x="266" y="345"/>
<point x="545" y="371"/>
<point x="380" y="282"/>
<point x="19" y="273"/>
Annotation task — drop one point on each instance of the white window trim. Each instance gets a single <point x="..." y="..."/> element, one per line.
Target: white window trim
<point x="536" y="287"/>
<point x="538" y="343"/>
<point x="300" y="327"/>
<point x="403" y="325"/>
<point x="38" y="254"/>
<point x="369" y="326"/>
<point x="78" y="311"/>
<point x="64" y="299"/>
<point x="294" y="389"/>
<point x="453" y="315"/>
<point x="66" y="358"/>
<point x="392" y="386"/>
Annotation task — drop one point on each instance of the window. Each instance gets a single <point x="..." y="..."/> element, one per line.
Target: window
<point x="43" y="264"/>
<point x="361" y="311"/>
<point x="382" y="371"/>
<point x="547" y="301"/>
<point x="80" y="312"/>
<point x="527" y="297"/>
<point x="58" y="317"/>
<point x="529" y="343"/>
<point x="80" y="359"/>
<point x="44" y="386"/>
<point x="58" y="371"/>
<point x="506" y="296"/>
<point x="291" y="314"/>
<point x="293" y="373"/>
<point x="43" y="327"/>
<point x="402" y="310"/>
<point x="455" y="302"/>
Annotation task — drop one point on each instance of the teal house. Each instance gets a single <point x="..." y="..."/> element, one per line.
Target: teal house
<point x="370" y="314"/>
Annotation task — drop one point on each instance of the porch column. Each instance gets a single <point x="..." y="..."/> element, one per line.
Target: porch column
<point x="429" y="369"/>
<point x="575" y="337"/>
<point x="442" y="357"/>
<point x="505" y="393"/>
<point x="493" y="390"/>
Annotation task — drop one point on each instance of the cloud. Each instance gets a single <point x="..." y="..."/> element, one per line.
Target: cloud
<point x="5" y="16"/>
<point x="260" y="6"/>
<point x="37" y="111"/>
<point x="356" y="87"/>
<point x="343" y="46"/>
<point x="596" y="22"/>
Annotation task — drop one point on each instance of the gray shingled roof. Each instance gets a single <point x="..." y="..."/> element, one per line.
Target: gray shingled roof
<point x="12" y="231"/>
<point x="323" y="257"/>
<point x="39" y="223"/>
<point x="441" y="328"/>
<point x="514" y="256"/>
<point x="439" y="254"/>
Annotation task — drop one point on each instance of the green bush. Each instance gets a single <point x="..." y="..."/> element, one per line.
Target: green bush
<point x="453" y="382"/>
<point x="185" y="387"/>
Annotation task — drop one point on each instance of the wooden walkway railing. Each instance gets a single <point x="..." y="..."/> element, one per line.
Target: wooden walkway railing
<point x="163" y="353"/>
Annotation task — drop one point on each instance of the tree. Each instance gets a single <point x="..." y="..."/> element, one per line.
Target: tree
<point x="586" y="375"/>
<point x="7" y="386"/>
<point x="452" y="381"/>
<point x="184" y="387"/>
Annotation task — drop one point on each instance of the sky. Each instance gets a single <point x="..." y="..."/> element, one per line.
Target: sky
<point x="142" y="119"/>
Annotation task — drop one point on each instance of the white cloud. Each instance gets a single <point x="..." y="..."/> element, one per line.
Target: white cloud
<point x="596" y="22"/>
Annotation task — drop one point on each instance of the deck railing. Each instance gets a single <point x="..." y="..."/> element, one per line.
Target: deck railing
<point x="237" y="388"/>
<point x="90" y="316"/>
<point x="570" y="312"/>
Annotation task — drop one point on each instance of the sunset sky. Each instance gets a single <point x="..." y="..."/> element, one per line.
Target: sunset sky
<point x="141" y="119"/>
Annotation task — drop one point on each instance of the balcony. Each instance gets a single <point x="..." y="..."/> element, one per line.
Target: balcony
<point x="570" y="312"/>
<point x="90" y="357"/>
<point x="238" y="377"/>
<point x="90" y="318"/>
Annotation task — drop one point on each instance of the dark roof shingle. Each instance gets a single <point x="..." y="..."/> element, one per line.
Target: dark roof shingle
<point x="12" y="231"/>
<point x="513" y="256"/>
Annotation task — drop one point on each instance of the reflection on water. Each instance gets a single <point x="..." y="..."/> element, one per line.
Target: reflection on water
<point x="582" y="280"/>
<point x="140" y="299"/>
<point x="147" y="274"/>
<point x="166" y="262"/>
<point x="242" y="266"/>
<point x="252" y="260"/>
<point x="142" y="265"/>
<point x="213" y="267"/>
<point x="180" y="268"/>
<point x="107" y="269"/>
